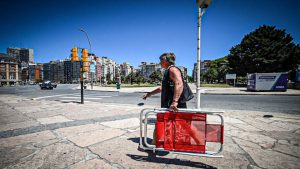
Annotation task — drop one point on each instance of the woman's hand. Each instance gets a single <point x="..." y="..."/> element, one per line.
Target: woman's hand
<point x="146" y="95"/>
<point x="173" y="106"/>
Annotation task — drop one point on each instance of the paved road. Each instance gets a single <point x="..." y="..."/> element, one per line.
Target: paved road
<point x="66" y="93"/>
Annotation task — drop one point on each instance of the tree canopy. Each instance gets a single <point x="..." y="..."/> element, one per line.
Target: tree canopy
<point x="264" y="50"/>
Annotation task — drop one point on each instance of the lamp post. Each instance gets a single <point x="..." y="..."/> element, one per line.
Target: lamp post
<point x="202" y="5"/>
<point x="82" y="30"/>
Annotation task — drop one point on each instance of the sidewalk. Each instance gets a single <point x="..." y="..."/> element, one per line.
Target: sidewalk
<point x="203" y="90"/>
<point x="52" y="134"/>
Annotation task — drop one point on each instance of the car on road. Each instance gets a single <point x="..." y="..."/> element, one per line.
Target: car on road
<point x="46" y="85"/>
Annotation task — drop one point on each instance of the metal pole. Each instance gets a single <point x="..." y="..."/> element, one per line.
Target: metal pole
<point x="81" y="82"/>
<point x="82" y="30"/>
<point x="200" y="13"/>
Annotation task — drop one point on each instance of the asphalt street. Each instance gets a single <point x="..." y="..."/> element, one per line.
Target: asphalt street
<point x="67" y="93"/>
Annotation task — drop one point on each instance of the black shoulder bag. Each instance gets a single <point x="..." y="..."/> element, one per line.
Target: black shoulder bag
<point x="187" y="93"/>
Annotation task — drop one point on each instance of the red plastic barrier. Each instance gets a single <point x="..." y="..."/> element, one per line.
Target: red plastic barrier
<point x="181" y="132"/>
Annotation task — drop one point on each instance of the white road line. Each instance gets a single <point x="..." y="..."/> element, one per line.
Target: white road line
<point x="92" y="96"/>
<point x="78" y="97"/>
<point x="52" y="96"/>
<point x="72" y="101"/>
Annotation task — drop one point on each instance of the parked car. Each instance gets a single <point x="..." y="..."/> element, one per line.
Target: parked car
<point x="46" y="85"/>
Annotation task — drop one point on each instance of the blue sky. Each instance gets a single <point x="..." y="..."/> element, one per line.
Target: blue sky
<point x="139" y="30"/>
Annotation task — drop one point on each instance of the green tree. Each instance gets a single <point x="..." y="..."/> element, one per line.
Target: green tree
<point x="156" y="76"/>
<point x="264" y="50"/>
<point x="211" y="74"/>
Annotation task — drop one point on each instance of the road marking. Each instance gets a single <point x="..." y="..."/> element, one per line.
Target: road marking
<point x="94" y="96"/>
<point x="72" y="101"/>
<point x="77" y="98"/>
<point x="36" y="98"/>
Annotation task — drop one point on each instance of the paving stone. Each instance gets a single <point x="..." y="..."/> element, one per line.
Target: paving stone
<point x="59" y="155"/>
<point x="123" y="151"/>
<point x="266" y="126"/>
<point x="122" y="124"/>
<point x="233" y="120"/>
<point x="286" y="125"/>
<point x="253" y="137"/>
<point x="283" y="135"/>
<point x="230" y="146"/>
<point x="247" y="127"/>
<point x="25" y="139"/>
<point x="8" y="115"/>
<point x="11" y="155"/>
<point x="54" y="119"/>
<point x="272" y="159"/>
<point x="95" y="136"/>
<point x="245" y="143"/>
<point x="92" y="164"/>
<point x="18" y="125"/>
<point x="288" y="149"/>
<point x="73" y="131"/>
<point x="44" y="114"/>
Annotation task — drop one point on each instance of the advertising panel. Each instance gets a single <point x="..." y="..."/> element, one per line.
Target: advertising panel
<point x="267" y="81"/>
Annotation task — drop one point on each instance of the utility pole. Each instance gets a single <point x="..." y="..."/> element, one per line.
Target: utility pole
<point x="202" y="5"/>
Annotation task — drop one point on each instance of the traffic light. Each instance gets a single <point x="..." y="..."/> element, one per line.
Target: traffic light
<point x="85" y="60"/>
<point x="74" y="54"/>
<point x="85" y="55"/>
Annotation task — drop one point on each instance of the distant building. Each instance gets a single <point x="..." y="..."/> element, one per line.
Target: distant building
<point x="9" y="70"/>
<point x="126" y="69"/>
<point x="71" y="71"/>
<point x="34" y="73"/>
<point x="204" y="65"/>
<point x="183" y="70"/>
<point x="68" y="71"/>
<point x="21" y="54"/>
<point x="59" y="75"/>
<point x="108" y="69"/>
<point x="146" y="69"/>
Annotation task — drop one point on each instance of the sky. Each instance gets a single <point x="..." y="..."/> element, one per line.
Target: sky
<point x="138" y="31"/>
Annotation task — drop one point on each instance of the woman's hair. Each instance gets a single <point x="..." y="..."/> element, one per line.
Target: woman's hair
<point x="169" y="57"/>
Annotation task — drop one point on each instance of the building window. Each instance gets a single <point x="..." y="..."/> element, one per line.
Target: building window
<point x="12" y="76"/>
<point x="3" y="76"/>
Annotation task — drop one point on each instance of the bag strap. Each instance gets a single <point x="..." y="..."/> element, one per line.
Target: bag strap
<point x="183" y="79"/>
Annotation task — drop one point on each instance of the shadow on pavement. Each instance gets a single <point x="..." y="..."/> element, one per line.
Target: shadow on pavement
<point x="154" y="159"/>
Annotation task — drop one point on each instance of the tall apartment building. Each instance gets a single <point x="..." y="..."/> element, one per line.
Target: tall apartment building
<point x="9" y="70"/>
<point x="71" y="71"/>
<point x="108" y="69"/>
<point x="204" y="66"/>
<point x="125" y="69"/>
<point x="98" y="74"/>
<point x="146" y="69"/>
<point x="35" y="73"/>
<point x="21" y="54"/>
<point x="59" y="74"/>
<point x="46" y="71"/>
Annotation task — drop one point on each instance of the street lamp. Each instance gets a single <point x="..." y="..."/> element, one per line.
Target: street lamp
<point x="82" y="30"/>
<point x="202" y="5"/>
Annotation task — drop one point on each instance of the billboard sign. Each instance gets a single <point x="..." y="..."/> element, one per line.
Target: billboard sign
<point x="230" y="76"/>
<point x="267" y="81"/>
